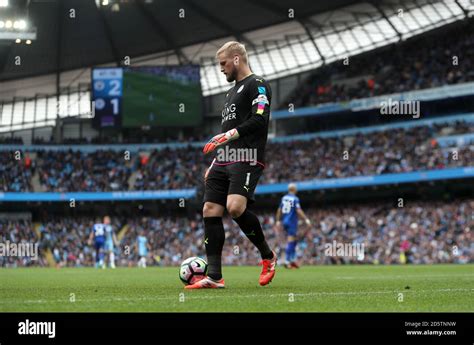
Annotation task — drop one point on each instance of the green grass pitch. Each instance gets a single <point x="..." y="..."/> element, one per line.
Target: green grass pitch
<point x="426" y="288"/>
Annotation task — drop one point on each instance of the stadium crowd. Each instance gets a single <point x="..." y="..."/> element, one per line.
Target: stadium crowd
<point x="16" y="232"/>
<point x="421" y="233"/>
<point x="445" y="59"/>
<point x="97" y="171"/>
<point x="392" y="151"/>
<point x="141" y="138"/>
<point x="16" y="172"/>
<point x="10" y="140"/>
<point x="170" y="169"/>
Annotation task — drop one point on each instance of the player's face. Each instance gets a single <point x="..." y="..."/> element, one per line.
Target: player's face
<point x="227" y="67"/>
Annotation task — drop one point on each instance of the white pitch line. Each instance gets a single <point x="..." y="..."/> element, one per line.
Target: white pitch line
<point x="189" y="296"/>
<point x="410" y="276"/>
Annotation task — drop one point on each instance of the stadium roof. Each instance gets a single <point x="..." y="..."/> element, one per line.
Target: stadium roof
<point x="73" y="35"/>
<point x="78" y="33"/>
<point x="284" y="37"/>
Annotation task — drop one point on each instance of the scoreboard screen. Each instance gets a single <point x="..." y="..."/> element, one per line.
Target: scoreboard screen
<point x="148" y="96"/>
<point x="107" y="96"/>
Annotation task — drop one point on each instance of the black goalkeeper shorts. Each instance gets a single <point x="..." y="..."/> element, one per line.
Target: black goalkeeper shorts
<point x="236" y="178"/>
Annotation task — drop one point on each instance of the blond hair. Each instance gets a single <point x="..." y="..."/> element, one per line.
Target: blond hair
<point x="232" y="48"/>
<point x="292" y="186"/>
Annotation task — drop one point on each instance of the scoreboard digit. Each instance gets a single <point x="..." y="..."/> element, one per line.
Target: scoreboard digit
<point x="107" y="85"/>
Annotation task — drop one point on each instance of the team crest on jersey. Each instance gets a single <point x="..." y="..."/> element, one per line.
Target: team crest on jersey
<point x="240" y="89"/>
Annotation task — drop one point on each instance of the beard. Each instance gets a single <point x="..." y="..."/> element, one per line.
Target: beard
<point x="232" y="75"/>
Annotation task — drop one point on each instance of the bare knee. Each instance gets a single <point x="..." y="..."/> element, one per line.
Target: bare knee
<point x="235" y="209"/>
<point x="211" y="209"/>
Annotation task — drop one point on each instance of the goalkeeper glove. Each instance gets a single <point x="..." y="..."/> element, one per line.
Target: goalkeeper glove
<point x="220" y="139"/>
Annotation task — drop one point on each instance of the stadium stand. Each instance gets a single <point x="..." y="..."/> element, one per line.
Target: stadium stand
<point x="376" y="153"/>
<point x="93" y="160"/>
<point x="413" y="65"/>
<point x="422" y="233"/>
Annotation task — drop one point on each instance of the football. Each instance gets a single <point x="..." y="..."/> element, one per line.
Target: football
<point x="192" y="270"/>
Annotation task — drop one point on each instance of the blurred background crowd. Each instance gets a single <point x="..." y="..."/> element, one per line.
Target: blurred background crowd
<point x="421" y="233"/>
<point x="391" y="151"/>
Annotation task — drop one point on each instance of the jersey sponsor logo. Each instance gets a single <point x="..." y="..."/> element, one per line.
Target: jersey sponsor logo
<point x="240" y="88"/>
<point x="262" y="90"/>
<point x="229" y="117"/>
<point x="229" y="112"/>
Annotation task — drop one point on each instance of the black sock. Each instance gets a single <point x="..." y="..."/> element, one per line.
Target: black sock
<point x="214" y="242"/>
<point x="251" y="227"/>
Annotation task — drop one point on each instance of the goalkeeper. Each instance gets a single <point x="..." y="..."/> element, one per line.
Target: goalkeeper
<point x="238" y="163"/>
